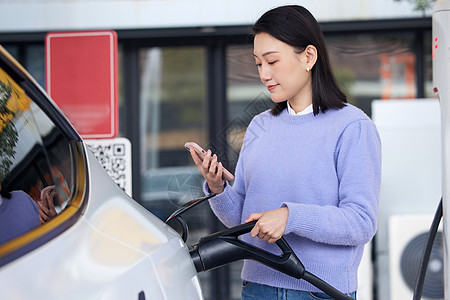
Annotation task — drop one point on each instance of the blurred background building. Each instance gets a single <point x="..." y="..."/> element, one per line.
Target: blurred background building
<point x="187" y="73"/>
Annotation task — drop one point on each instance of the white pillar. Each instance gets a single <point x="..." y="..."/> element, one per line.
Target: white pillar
<point x="441" y="83"/>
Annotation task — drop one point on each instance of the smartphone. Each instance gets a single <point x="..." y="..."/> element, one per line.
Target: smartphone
<point x="226" y="175"/>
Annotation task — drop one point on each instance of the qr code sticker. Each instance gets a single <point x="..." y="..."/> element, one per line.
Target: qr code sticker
<point x="115" y="157"/>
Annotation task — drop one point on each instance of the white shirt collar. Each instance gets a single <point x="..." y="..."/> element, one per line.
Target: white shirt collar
<point x="307" y="110"/>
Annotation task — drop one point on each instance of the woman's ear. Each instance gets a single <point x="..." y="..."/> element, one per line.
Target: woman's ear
<point x="311" y="56"/>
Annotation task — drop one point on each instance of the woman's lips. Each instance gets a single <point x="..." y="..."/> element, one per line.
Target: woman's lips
<point x="271" y="87"/>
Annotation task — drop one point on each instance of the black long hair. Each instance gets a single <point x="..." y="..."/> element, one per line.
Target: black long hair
<point x="4" y="191"/>
<point x="297" y="27"/>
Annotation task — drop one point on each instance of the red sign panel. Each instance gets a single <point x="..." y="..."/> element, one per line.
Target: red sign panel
<point x="81" y="77"/>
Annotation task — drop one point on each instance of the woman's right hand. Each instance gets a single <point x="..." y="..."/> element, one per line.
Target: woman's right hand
<point x="211" y="170"/>
<point x="46" y="208"/>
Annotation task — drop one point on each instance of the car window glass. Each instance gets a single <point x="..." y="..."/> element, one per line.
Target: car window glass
<point x="34" y="153"/>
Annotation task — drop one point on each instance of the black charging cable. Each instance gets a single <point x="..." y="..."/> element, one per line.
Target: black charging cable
<point x="426" y="253"/>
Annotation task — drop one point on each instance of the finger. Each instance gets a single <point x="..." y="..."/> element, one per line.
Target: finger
<point x="198" y="162"/>
<point x="213" y="166"/>
<point x="43" y="212"/>
<point x="45" y="201"/>
<point x="255" y="231"/>
<point x="219" y="171"/>
<point x="273" y="240"/>
<point x="253" y="217"/>
<point x="42" y="206"/>
<point x="206" y="161"/>
<point x="266" y="237"/>
<point x="47" y="189"/>
<point x="43" y="192"/>
<point x="50" y="203"/>
<point x="196" y="158"/>
<point x="249" y="219"/>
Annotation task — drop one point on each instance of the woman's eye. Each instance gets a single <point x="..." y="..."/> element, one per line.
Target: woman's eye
<point x="272" y="62"/>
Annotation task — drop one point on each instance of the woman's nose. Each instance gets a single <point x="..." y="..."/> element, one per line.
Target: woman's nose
<point x="265" y="74"/>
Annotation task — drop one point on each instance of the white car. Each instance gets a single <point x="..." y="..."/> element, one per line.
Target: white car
<point x="101" y="244"/>
<point x="97" y="243"/>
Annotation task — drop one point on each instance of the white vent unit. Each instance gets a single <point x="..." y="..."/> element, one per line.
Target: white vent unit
<point x="407" y="238"/>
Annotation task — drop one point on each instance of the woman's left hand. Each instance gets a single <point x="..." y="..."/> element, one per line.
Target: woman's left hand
<point x="46" y="208"/>
<point x="271" y="224"/>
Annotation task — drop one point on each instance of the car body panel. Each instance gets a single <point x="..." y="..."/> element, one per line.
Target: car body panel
<point x="116" y="250"/>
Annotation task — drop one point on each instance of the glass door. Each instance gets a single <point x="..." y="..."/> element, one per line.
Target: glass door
<point x="172" y="111"/>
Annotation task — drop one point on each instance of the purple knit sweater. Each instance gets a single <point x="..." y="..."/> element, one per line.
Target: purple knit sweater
<point x="326" y="169"/>
<point x="18" y="215"/>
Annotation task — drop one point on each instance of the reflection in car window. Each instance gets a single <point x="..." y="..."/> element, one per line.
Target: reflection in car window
<point x="34" y="154"/>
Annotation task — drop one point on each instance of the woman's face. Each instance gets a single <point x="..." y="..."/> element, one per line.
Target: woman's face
<point x="282" y="70"/>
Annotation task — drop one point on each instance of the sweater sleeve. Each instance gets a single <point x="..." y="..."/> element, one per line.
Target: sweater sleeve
<point x="228" y="205"/>
<point x="354" y="220"/>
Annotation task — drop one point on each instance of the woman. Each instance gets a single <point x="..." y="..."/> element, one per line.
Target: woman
<point x="19" y="213"/>
<point x="309" y="169"/>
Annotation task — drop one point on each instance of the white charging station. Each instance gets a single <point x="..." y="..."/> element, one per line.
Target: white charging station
<point x="441" y="83"/>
